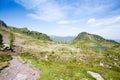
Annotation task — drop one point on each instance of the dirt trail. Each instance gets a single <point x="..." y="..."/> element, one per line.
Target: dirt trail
<point x="19" y="71"/>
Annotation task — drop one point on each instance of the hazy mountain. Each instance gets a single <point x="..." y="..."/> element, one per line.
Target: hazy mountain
<point x="62" y="39"/>
<point x="117" y="40"/>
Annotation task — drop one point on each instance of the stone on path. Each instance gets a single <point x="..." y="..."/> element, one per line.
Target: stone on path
<point x="20" y="77"/>
<point x="95" y="75"/>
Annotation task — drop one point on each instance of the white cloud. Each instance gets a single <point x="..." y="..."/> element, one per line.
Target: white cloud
<point x="93" y="7"/>
<point x="58" y="10"/>
<point x="91" y="21"/>
<point x="107" y="27"/>
<point x="45" y="10"/>
<point x="74" y="28"/>
<point x="63" y="22"/>
<point x="117" y="19"/>
<point x="105" y="21"/>
<point x="30" y="4"/>
<point x="48" y="13"/>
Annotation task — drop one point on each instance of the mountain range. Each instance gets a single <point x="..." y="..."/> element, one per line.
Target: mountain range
<point x="62" y="38"/>
<point x="83" y="37"/>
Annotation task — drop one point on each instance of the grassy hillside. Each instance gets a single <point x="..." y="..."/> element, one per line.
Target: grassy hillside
<point x="66" y="61"/>
<point x="33" y="34"/>
<point x="87" y="39"/>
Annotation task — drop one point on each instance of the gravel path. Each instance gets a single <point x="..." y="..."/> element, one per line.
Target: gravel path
<point x="19" y="71"/>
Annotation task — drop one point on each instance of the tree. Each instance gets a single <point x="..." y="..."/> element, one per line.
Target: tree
<point x="1" y="39"/>
<point x="11" y="38"/>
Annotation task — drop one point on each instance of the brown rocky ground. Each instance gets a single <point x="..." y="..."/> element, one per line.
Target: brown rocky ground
<point x="19" y="71"/>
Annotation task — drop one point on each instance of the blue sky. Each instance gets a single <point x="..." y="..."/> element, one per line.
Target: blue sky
<point x="64" y="17"/>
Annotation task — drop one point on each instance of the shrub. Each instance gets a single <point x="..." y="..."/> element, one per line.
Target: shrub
<point x="12" y="38"/>
<point x="1" y="39"/>
<point x="5" y="57"/>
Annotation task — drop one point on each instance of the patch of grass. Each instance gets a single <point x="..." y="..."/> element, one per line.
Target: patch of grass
<point x="3" y="65"/>
<point x="4" y="58"/>
<point x="72" y="70"/>
<point x="57" y="71"/>
<point x="50" y="70"/>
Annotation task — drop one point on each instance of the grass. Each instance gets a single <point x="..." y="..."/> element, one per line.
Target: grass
<point x="57" y="71"/>
<point x="51" y="70"/>
<point x="60" y="66"/>
<point x="4" y="58"/>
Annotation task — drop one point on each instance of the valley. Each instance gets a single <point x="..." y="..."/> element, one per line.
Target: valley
<point x="73" y="60"/>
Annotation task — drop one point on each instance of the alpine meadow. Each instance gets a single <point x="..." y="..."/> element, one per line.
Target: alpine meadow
<point x="59" y="39"/>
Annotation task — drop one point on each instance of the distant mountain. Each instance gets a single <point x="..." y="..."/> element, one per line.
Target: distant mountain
<point x="88" y="37"/>
<point x="85" y="38"/>
<point x="117" y="40"/>
<point x="62" y="39"/>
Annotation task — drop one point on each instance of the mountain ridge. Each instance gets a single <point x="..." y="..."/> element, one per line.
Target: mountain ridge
<point x="2" y="23"/>
<point x="25" y="31"/>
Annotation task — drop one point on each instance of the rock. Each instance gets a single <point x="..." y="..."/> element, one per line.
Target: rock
<point x="20" y="77"/>
<point x="83" y="79"/>
<point x="7" y="48"/>
<point x="101" y="64"/>
<point x="46" y="57"/>
<point x="95" y="75"/>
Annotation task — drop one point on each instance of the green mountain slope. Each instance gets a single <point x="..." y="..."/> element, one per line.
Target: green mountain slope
<point x="88" y="39"/>
<point x="25" y="31"/>
<point x="34" y="34"/>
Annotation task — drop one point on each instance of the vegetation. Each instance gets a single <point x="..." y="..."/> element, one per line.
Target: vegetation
<point x="63" y="60"/>
<point x="89" y="40"/>
<point x="12" y="39"/>
<point x="4" y="58"/>
<point x="113" y="57"/>
<point x="1" y="39"/>
<point x="75" y="68"/>
<point x="33" y="34"/>
<point x="70" y="70"/>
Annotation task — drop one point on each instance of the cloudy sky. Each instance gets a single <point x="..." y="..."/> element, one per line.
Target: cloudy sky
<point x="64" y="17"/>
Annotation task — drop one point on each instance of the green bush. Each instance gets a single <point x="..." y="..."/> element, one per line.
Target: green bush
<point x="1" y="39"/>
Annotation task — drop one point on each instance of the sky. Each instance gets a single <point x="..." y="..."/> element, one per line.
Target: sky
<point x="64" y="17"/>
